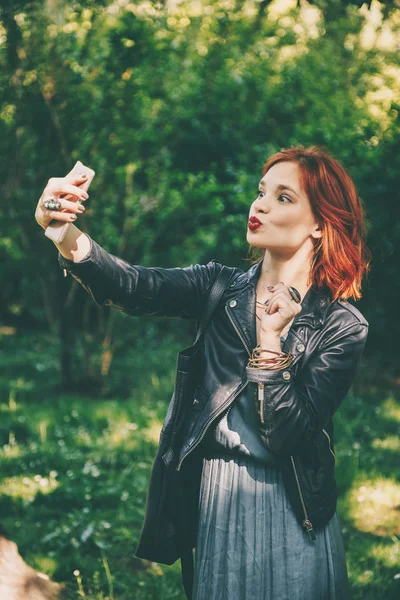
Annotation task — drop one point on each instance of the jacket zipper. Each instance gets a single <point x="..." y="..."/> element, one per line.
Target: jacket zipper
<point x="308" y="526"/>
<point x="261" y="401"/>
<point x="215" y="416"/>
<point x="223" y="414"/>
<point x="329" y="440"/>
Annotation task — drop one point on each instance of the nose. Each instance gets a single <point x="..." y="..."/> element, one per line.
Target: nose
<point x="260" y="205"/>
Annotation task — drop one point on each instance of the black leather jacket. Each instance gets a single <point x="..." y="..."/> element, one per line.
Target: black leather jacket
<point x="296" y="404"/>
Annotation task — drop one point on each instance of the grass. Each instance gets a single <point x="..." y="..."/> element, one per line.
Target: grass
<point x="74" y="475"/>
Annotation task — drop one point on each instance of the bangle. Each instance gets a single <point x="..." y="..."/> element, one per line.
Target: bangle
<point x="282" y="360"/>
<point x="257" y="351"/>
<point x="270" y="366"/>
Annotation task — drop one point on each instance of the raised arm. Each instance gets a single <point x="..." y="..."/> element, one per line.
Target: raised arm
<point x="137" y="290"/>
<point x="111" y="281"/>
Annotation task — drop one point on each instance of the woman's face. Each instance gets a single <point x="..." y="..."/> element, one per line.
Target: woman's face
<point x="287" y="221"/>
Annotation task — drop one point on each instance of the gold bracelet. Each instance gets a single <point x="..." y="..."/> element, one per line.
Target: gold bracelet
<point x="269" y="367"/>
<point x="281" y="365"/>
<point x="280" y="357"/>
<point x="258" y="350"/>
<point x="271" y="363"/>
<point x="256" y="354"/>
<point x="284" y="359"/>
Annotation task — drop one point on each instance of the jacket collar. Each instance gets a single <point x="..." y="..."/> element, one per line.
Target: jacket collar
<point x="241" y="307"/>
<point x="314" y="304"/>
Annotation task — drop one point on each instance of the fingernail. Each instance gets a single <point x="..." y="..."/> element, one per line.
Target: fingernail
<point x="73" y="217"/>
<point x="85" y="195"/>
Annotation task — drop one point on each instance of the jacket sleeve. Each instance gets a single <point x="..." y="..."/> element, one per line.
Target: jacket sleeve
<point x="136" y="290"/>
<point x="293" y="409"/>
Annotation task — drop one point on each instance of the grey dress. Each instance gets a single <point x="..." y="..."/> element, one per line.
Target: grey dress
<point x="250" y="545"/>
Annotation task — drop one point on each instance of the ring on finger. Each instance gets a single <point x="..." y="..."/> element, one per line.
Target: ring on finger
<point x="52" y="204"/>
<point x="294" y="294"/>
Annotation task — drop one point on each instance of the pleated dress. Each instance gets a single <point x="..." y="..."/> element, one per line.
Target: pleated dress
<point x="250" y="545"/>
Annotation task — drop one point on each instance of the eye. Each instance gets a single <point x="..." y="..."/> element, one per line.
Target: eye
<point x="287" y="197"/>
<point x="259" y="192"/>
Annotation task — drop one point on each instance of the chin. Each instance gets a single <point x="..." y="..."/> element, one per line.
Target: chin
<point x="254" y="239"/>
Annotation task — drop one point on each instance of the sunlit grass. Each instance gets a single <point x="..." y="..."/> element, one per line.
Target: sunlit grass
<point x="122" y="431"/>
<point x="152" y="432"/>
<point x="45" y="564"/>
<point x="391" y="409"/>
<point x="10" y="451"/>
<point x="391" y="442"/>
<point x="120" y="434"/>
<point x="26" y="487"/>
<point x="374" y="506"/>
<point x="387" y="554"/>
<point x="365" y="577"/>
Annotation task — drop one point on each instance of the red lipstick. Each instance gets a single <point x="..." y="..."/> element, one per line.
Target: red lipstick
<point x="254" y="223"/>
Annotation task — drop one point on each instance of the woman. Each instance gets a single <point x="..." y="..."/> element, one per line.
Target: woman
<point x="280" y="354"/>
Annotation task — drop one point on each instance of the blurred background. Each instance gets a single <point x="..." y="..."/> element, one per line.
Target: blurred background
<point x="177" y="105"/>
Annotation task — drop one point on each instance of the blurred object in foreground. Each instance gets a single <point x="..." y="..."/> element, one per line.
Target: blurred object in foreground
<point x="18" y="581"/>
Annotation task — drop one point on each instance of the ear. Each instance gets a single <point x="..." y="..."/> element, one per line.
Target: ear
<point x="317" y="233"/>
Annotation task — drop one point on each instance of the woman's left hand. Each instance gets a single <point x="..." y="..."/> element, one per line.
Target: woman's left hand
<point x="280" y="310"/>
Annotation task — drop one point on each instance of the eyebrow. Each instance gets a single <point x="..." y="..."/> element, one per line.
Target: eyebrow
<point x="280" y="187"/>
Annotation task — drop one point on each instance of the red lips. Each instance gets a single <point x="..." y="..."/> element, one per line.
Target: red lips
<point x="254" y="223"/>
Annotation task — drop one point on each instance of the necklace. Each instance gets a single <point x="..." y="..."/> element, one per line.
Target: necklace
<point x="260" y="304"/>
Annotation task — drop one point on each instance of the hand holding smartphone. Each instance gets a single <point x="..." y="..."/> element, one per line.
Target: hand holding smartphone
<point x="57" y="230"/>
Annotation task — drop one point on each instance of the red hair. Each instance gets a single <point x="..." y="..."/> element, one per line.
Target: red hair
<point x="341" y="257"/>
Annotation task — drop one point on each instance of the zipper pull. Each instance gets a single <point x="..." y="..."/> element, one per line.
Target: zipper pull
<point x="261" y="400"/>
<point x="308" y="526"/>
<point x="65" y="272"/>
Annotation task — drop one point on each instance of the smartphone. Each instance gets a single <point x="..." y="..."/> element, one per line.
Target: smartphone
<point x="57" y="230"/>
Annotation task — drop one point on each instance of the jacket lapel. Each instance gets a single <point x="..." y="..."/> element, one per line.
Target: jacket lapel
<point x="241" y="310"/>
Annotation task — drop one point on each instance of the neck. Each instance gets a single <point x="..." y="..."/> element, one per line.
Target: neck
<point x="292" y="271"/>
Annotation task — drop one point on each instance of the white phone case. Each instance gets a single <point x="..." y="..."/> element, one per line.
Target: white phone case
<point x="57" y="230"/>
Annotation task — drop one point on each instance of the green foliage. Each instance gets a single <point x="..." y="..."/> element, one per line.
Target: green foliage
<point x="177" y="106"/>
